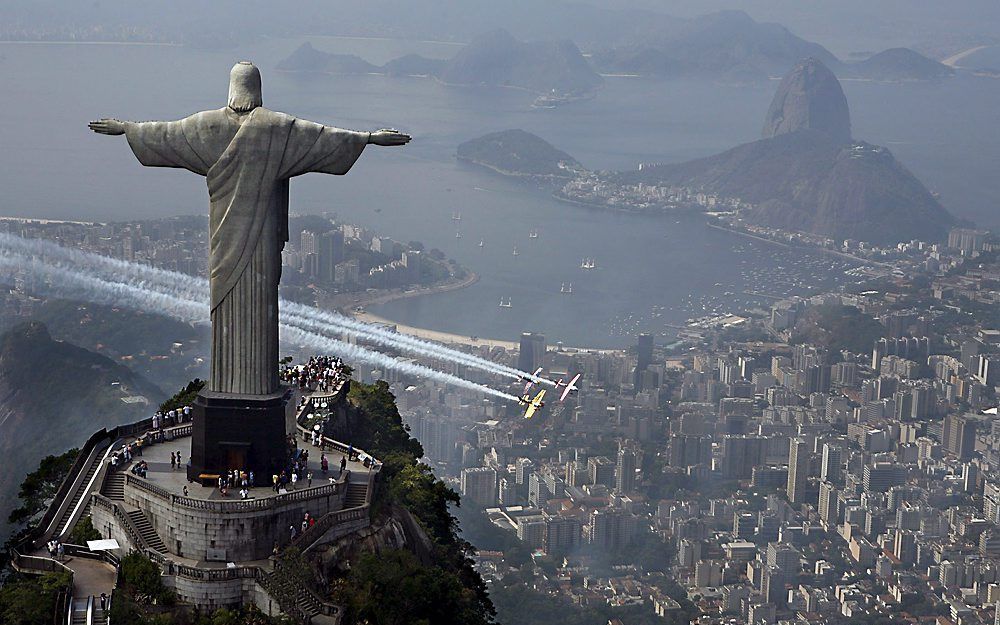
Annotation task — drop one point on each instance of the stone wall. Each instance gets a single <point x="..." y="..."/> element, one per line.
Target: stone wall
<point x="231" y="536"/>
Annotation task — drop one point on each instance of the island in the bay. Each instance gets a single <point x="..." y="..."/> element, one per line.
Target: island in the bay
<point x="806" y="174"/>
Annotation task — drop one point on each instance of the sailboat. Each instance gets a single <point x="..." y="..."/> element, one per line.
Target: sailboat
<point x="515" y="250"/>
<point x="481" y="243"/>
<point x="458" y="235"/>
<point x="504" y="304"/>
<point x="533" y="234"/>
<point x="566" y="288"/>
<point x="456" y="216"/>
<point x="588" y="263"/>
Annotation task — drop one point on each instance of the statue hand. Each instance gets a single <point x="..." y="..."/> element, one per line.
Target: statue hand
<point x="107" y="127"/>
<point x="388" y="137"/>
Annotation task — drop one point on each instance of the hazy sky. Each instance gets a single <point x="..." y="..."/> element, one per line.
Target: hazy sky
<point x="844" y="26"/>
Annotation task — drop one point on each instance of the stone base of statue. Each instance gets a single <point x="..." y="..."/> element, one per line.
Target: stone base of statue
<point x="246" y="432"/>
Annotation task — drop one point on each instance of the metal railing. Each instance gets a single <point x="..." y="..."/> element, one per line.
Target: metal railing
<point x="237" y="505"/>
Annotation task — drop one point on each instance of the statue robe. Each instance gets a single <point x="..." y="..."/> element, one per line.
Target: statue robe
<point x="247" y="161"/>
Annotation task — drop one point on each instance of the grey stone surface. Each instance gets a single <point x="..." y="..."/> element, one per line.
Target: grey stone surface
<point x="247" y="154"/>
<point x="809" y="98"/>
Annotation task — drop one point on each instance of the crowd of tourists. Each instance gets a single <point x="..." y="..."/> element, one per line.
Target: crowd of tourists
<point x="320" y="373"/>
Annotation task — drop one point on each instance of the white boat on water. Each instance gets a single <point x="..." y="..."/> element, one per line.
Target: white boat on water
<point x="515" y="250"/>
<point x="533" y="234"/>
<point x="504" y="304"/>
<point x="566" y="288"/>
<point x="481" y="243"/>
<point x="588" y="263"/>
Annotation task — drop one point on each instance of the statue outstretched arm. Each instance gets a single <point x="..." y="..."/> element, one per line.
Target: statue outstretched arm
<point x="108" y="126"/>
<point x="388" y="137"/>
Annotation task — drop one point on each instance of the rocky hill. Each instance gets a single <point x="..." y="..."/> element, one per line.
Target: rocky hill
<point x="53" y="395"/>
<point x="807" y="174"/>
<point x="809" y="98"/>
<point x="306" y="58"/>
<point x="898" y="64"/>
<point x="519" y="153"/>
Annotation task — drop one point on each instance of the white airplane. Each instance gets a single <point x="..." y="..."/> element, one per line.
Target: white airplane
<point x="569" y="387"/>
<point x="533" y="404"/>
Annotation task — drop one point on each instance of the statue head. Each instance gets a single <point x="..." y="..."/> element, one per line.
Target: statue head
<point x="244" y="87"/>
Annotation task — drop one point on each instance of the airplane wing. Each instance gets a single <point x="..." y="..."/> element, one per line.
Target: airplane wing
<point x="530" y="412"/>
<point x="569" y="387"/>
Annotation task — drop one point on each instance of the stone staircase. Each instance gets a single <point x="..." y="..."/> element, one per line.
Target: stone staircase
<point x="296" y="601"/>
<point x="357" y="494"/>
<point x="114" y="487"/>
<point x="145" y="529"/>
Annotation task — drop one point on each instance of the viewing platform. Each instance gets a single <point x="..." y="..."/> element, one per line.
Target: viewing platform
<point x="214" y="549"/>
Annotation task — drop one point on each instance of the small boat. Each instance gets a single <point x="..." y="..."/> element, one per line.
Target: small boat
<point x="458" y="235"/>
<point x="533" y="234"/>
<point x="588" y="263"/>
<point x="481" y="243"/>
<point x="515" y="250"/>
<point x="566" y="288"/>
<point x="504" y="304"/>
<point x="456" y="216"/>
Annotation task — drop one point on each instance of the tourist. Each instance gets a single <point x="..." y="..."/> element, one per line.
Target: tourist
<point x="104" y="601"/>
<point x="305" y="525"/>
<point x="178" y="458"/>
<point x="343" y="464"/>
<point x="185" y="490"/>
<point x="309" y="479"/>
<point x="324" y="464"/>
<point x="295" y="478"/>
<point x="250" y="478"/>
<point x="60" y="551"/>
<point x="173" y="461"/>
<point x="292" y="531"/>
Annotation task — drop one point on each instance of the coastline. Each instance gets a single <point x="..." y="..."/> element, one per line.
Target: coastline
<point x="460" y="339"/>
<point x="350" y="301"/>
<point x="821" y="250"/>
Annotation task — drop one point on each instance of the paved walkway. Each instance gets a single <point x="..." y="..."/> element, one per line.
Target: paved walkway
<point x="91" y="577"/>
<point x="174" y="480"/>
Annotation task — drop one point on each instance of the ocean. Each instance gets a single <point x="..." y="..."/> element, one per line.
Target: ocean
<point x="651" y="272"/>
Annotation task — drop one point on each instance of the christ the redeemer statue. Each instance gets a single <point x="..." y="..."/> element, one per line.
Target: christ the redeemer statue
<point x="247" y="154"/>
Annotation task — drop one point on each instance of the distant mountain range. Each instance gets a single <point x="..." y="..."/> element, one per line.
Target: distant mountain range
<point x="727" y="45"/>
<point x="805" y="174"/>
<point x="53" y="395"/>
<point x="494" y="59"/>
<point x="731" y="44"/>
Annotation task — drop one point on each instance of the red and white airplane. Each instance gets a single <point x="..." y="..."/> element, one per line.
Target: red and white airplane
<point x="569" y="387"/>
<point x="531" y="380"/>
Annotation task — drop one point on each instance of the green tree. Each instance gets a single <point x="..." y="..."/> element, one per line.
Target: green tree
<point x="183" y="397"/>
<point x="31" y="600"/>
<point x="394" y="588"/>
<point x="83" y="531"/>
<point x="41" y="485"/>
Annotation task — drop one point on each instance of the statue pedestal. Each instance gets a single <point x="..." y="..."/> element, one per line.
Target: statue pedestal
<point x="246" y="432"/>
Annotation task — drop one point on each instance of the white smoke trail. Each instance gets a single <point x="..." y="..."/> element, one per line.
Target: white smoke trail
<point x="311" y="318"/>
<point x="66" y="282"/>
